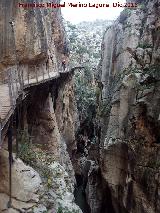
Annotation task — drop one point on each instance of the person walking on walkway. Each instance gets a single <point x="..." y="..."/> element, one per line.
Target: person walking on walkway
<point x="64" y="65"/>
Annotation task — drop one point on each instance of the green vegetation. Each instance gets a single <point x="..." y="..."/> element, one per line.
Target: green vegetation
<point x="145" y="45"/>
<point x="128" y="25"/>
<point x="104" y="109"/>
<point x="34" y="156"/>
<point x="85" y="44"/>
<point x="153" y="70"/>
<point x="154" y="163"/>
<point x="26" y="152"/>
<point x="60" y="210"/>
<point x="142" y="6"/>
<point x="124" y="15"/>
<point x="64" y="210"/>
<point x="85" y="94"/>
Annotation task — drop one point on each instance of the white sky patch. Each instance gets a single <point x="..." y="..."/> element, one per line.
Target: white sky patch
<point x="76" y="15"/>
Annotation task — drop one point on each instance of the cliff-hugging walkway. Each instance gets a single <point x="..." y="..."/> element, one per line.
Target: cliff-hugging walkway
<point x="15" y="84"/>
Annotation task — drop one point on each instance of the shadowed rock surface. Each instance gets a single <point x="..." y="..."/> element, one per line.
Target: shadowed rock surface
<point x="44" y="122"/>
<point x="111" y="163"/>
<point x="130" y="74"/>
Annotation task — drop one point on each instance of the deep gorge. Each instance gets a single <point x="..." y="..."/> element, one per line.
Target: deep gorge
<point x="85" y="138"/>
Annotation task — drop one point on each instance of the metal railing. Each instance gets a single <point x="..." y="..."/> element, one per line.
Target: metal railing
<point x="15" y="85"/>
<point x="17" y="79"/>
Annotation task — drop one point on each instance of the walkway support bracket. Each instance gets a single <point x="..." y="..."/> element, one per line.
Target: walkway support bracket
<point x="10" y="135"/>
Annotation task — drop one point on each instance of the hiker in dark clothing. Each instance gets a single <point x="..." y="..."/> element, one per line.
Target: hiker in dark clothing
<point x="64" y="65"/>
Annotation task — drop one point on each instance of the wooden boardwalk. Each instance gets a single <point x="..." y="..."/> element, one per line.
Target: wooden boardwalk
<point x="16" y="85"/>
<point x="5" y="102"/>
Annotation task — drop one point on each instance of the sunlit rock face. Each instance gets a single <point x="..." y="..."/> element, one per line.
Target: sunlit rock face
<point x="29" y="192"/>
<point x="48" y="112"/>
<point x="38" y="37"/>
<point x="130" y="140"/>
<point x="26" y="184"/>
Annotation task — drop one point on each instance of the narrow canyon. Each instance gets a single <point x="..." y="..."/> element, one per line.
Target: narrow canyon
<point x="75" y="139"/>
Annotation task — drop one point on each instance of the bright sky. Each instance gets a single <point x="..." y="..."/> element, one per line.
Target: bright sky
<point x="76" y="15"/>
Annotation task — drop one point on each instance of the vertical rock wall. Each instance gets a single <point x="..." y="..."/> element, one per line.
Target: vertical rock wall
<point x="49" y="115"/>
<point x="38" y="37"/>
<point x="48" y="118"/>
<point x="130" y="73"/>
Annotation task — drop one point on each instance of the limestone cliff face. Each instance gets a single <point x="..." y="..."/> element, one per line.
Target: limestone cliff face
<point x="130" y="140"/>
<point x="51" y="119"/>
<point x="46" y="125"/>
<point x="38" y="37"/>
<point x="48" y="119"/>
